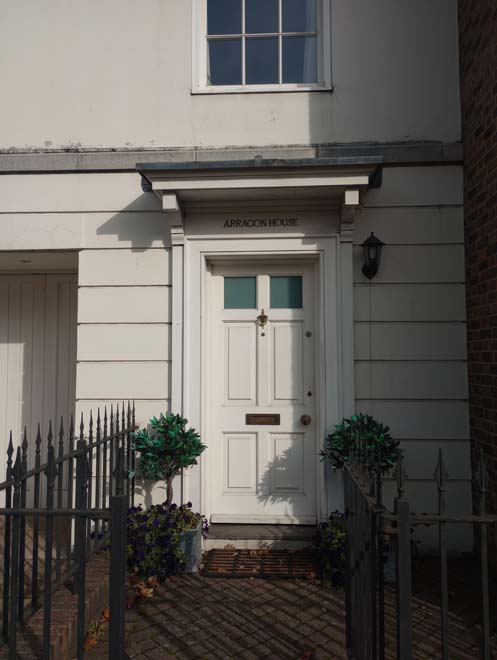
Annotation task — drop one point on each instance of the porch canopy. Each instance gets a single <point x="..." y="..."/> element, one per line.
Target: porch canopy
<point x="333" y="181"/>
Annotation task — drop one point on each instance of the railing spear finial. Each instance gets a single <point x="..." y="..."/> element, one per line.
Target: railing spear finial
<point x="440" y="474"/>
<point x="400" y="475"/>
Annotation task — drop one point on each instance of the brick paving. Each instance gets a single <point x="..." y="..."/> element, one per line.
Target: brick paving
<point x="195" y="617"/>
<point x="248" y="619"/>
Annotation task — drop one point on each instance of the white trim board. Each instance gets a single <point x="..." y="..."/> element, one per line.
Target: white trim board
<point x="199" y="254"/>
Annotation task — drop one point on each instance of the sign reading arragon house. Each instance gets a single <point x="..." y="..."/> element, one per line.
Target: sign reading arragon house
<point x="238" y="223"/>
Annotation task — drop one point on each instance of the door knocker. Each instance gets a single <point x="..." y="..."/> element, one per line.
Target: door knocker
<point x="262" y="319"/>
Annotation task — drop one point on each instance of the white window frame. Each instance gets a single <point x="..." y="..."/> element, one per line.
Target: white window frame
<point x="199" y="58"/>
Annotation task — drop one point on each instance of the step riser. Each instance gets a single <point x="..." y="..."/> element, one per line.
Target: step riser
<point x="255" y="544"/>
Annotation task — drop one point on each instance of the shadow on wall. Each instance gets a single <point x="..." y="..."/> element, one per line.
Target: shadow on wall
<point x="142" y="223"/>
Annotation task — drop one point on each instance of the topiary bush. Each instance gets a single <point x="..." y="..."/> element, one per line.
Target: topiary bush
<point x="166" y="447"/>
<point x="368" y="440"/>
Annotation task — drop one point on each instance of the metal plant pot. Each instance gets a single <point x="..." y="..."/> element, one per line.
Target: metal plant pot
<point x="191" y="545"/>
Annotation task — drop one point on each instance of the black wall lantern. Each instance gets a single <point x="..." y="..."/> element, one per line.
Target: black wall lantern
<point x="372" y="255"/>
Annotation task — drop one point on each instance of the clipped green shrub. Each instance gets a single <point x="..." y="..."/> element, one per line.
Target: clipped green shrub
<point x="166" y="447"/>
<point x="361" y="435"/>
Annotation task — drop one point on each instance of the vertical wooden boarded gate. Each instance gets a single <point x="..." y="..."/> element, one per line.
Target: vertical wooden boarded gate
<point x="38" y="327"/>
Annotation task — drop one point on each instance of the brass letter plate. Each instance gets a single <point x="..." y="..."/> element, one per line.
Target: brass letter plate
<point x="258" y="418"/>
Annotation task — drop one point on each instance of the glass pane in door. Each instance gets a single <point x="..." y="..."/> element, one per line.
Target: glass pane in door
<point x="286" y="292"/>
<point x="240" y="292"/>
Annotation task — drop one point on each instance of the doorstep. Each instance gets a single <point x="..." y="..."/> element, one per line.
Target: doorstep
<point x="242" y="537"/>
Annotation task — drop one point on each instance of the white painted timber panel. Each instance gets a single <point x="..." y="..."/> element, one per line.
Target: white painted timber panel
<point x="422" y="456"/>
<point x="240" y="456"/>
<point x="37" y="353"/>
<point x="417" y="186"/>
<point x="127" y="304"/>
<point x="124" y="267"/>
<point x="424" y="498"/>
<point x="415" y="263"/>
<point x="287" y="464"/>
<point x="75" y="192"/>
<point x="145" y="409"/>
<point x="410" y="302"/>
<point x="411" y="380"/>
<point x="74" y="231"/>
<point x="411" y="225"/>
<point x="126" y="230"/>
<point x="410" y="341"/>
<point x="286" y="362"/>
<point x="123" y="380"/>
<point x="126" y="342"/>
<point x="424" y="420"/>
<point x="240" y="363"/>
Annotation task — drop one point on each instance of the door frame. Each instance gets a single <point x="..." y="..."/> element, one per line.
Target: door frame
<point x="199" y="254"/>
<point x="280" y="265"/>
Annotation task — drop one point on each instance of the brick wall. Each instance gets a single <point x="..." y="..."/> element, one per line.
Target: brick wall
<point x="478" y="72"/>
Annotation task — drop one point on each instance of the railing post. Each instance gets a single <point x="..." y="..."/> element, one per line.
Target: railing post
<point x="380" y="548"/>
<point x="36" y="522"/>
<point x="51" y="474"/>
<point x="133" y="457"/>
<point x="119" y="472"/>
<point x="404" y="569"/>
<point x="348" y="563"/>
<point x="22" y="527"/>
<point x="6" y="549"/>
<point x="14" y="569"/>
<point x="82" y="470"/>
<point x="118" y="507"/>
<point x="483" y="542"/>
<point x="441" y="476"/>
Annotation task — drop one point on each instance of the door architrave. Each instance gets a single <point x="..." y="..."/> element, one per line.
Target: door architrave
<point x="200" y="254"/>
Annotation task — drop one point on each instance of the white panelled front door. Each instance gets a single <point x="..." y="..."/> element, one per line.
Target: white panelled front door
<point x="262" y="436"/>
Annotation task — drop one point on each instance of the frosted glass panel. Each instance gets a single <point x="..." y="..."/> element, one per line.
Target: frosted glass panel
<point x="240" y="293"/>
<point x="286" y="292"/>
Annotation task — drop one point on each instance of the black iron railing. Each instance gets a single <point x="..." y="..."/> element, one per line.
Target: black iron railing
<point x="58" y="513"/>
<point x="368" y="524"/>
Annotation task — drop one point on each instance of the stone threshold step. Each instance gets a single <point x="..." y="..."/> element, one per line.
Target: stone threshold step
<point x="289" y="537"/>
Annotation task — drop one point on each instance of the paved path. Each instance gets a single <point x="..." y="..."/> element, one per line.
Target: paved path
<point x="192" y="618"/>
<point x="243" y="619"/>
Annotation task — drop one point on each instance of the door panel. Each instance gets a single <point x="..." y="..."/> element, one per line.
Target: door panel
<point x="263" y="471"/>
<point x="37" y="353"/>
<point x="240" y="364"/>
<point x="287" y="462"/>
<point x="241" y="462"/>
<point x="286" y="362"/>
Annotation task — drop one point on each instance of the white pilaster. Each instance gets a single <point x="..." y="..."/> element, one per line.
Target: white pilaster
<point x="347" y="215"/>
<point x="171" y="206"/>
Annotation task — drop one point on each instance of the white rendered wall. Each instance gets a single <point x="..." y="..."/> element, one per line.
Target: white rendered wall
<point x="410" y="331"/>
<point x="124" y="277"/>
<point x="118" y="74"/>
<point x="409" y="321"/>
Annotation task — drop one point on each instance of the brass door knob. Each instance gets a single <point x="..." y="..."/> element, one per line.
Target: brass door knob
<point x="306" y="420"/>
